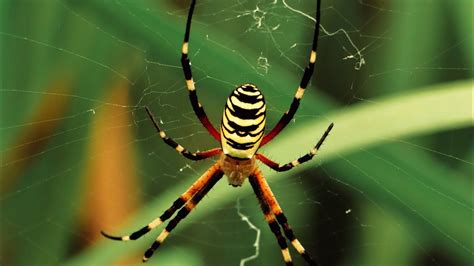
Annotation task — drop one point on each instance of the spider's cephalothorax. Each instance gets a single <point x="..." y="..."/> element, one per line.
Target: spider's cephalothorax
<point x="241" y="135"/>
<point x="243" y="122"/>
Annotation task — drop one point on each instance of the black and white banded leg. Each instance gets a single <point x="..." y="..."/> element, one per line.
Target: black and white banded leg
<point x="285" y="167"/>
<point x="272" y="223"/>
<point x="275" y="208"/>
<point x="308" y="72"/>
<point x="182" y="213"/>
<point x="177" y="204"/>
<point x="186" y="64"/>
<point x="195" y="156"/>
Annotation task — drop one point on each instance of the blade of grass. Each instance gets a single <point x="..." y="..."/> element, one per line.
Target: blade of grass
<point x="397" y="251"/>
<point x="463" y="28"/>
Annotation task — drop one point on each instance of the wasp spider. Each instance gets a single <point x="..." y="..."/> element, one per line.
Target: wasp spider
<point x="241" y="135"/>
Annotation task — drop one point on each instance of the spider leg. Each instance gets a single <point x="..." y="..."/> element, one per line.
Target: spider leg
<point x="272" y="223"/>
<point x="182" y="213"/>
<point x="288" y="166"/>
<point x="275" y="208"/>
<point x="202" y="181"/>
<point x="195" y="156"/>
<point x="308" y="72"/>
<point x="186" y="64"/>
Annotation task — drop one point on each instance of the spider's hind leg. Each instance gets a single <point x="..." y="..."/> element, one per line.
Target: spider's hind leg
<point x="182" y="213"/>
<point x="276" y="210"/>
<point x="177" y="204"/>
<point x="272" y="223"/>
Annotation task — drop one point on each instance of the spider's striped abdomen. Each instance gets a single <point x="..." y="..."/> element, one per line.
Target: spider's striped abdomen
<point x="243" y="122"/>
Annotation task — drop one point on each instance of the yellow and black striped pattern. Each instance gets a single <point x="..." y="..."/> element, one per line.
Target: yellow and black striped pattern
<point x="243" y="122"/>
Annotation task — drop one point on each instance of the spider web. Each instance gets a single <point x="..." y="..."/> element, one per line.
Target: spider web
<point x="79" y="154"/>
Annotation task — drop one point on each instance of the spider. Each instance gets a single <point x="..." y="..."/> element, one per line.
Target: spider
<point x="241" y="135"/>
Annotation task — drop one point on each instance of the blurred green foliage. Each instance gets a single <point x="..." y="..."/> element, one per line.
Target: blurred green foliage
<point x="392" y="184"/>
